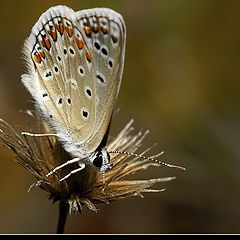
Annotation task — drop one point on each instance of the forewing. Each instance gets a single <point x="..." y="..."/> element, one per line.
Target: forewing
<point x="59" y="72"/>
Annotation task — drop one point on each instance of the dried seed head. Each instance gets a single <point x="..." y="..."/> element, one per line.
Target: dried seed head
<point x="40" y="155"/>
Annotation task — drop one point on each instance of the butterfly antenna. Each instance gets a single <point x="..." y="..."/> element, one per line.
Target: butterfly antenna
<point x="148" y="158"/>
<point x="103" y="179"/>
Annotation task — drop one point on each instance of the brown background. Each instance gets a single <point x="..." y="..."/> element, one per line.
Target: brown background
<point x="181" y="81"/>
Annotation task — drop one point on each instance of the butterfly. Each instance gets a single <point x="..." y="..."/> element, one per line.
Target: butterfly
<point x="74" y="65"/>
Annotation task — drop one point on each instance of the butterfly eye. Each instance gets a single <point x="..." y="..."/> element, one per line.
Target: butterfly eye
<point x="101" y="161"/>
<point x="98" y="161"/>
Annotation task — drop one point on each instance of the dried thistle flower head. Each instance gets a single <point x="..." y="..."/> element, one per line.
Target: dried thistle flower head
<point x="40" y="155"/>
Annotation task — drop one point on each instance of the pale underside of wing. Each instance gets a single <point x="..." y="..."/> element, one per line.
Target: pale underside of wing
<point x="105" y="31"/>
<point x="75" y="63"/>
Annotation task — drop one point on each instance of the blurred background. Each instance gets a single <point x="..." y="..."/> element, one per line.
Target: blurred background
<point x="181" y="81"/>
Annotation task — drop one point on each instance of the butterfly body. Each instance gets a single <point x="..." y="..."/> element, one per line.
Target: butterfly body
<point x="75" y="63"/>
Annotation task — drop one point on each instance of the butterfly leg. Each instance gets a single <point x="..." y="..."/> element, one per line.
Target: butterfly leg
<point x="63" y="165"/>
<point x="39" y="134"/>
<point x="81" y="167"/>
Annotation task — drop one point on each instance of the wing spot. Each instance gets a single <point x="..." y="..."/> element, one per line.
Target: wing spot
<point x="114" y="39"/>
<point x="100" y="78"/>
<point x="85" y="113"/>
<point x="79" y="42"/>
<point x="69" y="100"/>
<point x="38" y="57"/>
<point x="71" y="50"/>
<point x="97" y="45"/>
<point x="59" y="25"/>
<point x="88" y="57"/>
<point x="48" y="74"/>
<point x="110" y="63"/>
<point x="104" y="30"/>
<point x="104" y="51"/>
<point x="87" y="31"/>
<point x="88" y="92"/>
<point x="60" y="101"/>
<point x="81" y="70"/>
<point x="95" y="28"/>
<point x="53" y="35"/>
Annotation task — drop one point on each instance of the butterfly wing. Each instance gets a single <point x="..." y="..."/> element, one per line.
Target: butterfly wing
<point x="75" y="86"/>
<point x="105" y="31"/>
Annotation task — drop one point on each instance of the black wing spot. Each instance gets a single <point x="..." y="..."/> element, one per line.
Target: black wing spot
<point x="81" y="71"/>
<point x="85" y="113"/>
<point x="89" y="93"/>
<point x="110" y="63"/>
<point x="48" y="74"/>
<point x="104" y="51"/>
<point x="60" y="101"/>
<point x="69" y="100"/>
<point x="97" y="45"/>
<point x="71" y="51"/>
<point x="99" y="77"/>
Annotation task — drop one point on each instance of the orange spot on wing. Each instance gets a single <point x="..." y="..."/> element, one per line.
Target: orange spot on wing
<point x="53" y="34"/>
<point x="60" y="28"/>
<point x="69" y="31"/>
<point x="42" y="54"/>
<point x="104" y="30"/>
<point x="46" y="43"/>
<point x="88" y="56"/>
<point x="37" y="57"/>
<point x="87" y="31"/>
<point x="80" y="43"/>
<point x="95" y="28"/>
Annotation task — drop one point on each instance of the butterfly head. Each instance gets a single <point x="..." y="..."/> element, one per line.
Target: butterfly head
<point x="101" y="160"/>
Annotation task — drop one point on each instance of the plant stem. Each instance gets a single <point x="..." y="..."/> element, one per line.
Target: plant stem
<point x="63" y="213"/>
